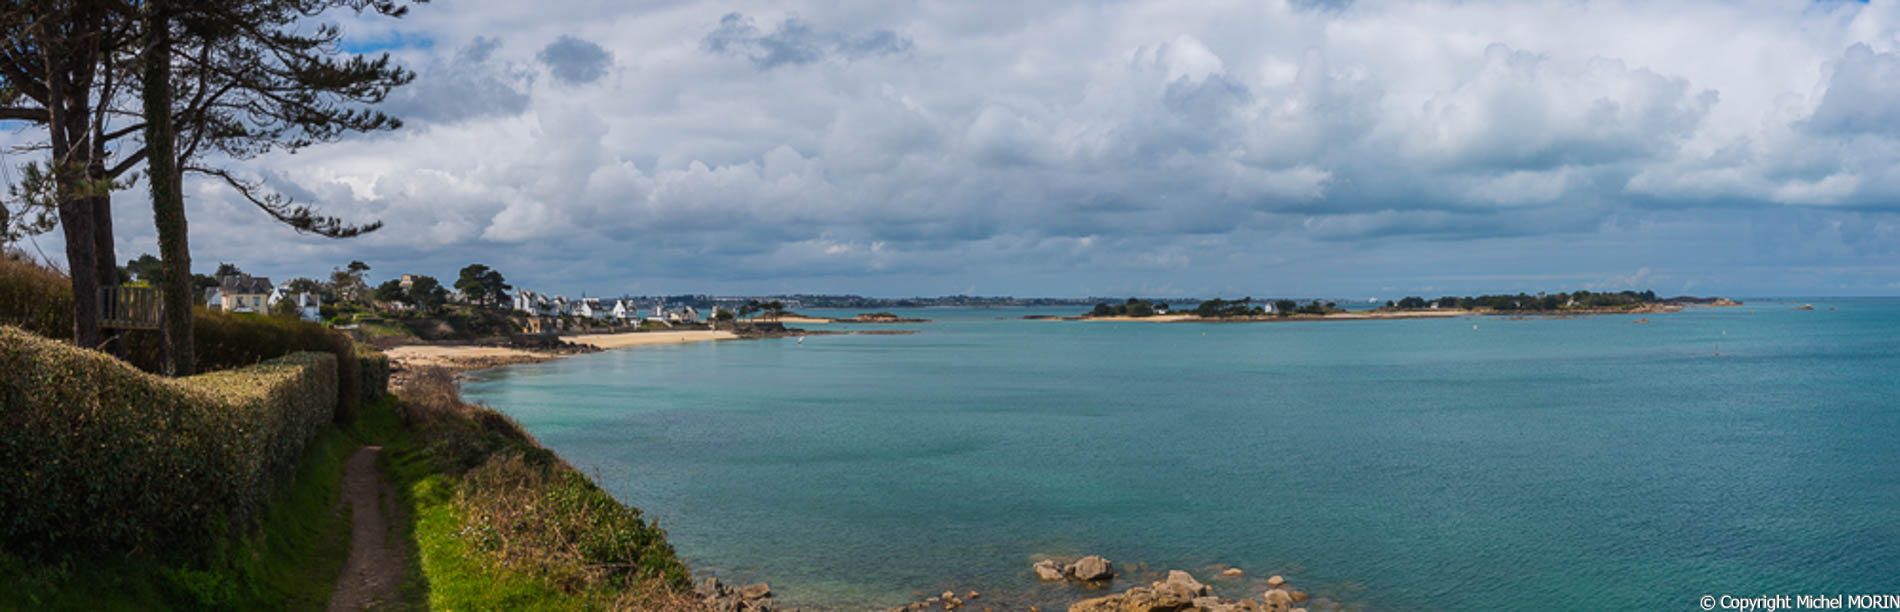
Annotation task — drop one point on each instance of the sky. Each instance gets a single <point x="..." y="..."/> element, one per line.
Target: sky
<point x="1058" y="148"/>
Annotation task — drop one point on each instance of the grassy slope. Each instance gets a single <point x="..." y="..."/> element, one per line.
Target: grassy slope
<point x="457" y="480"/>
<point x="290" y="561"/>
<point x="501" y="523"/>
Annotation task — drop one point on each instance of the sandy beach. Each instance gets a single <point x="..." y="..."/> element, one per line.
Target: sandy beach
<point x="799" y="319"/>
<point x="613" y="341"/>
<point x="461" y="357"/>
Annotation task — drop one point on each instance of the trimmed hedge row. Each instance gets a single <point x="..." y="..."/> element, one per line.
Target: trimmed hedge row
<point x="102" y="457"/>
<point x="238" y="339"/>
<point x="374" y="366"/>
<point x="41" y="301"/>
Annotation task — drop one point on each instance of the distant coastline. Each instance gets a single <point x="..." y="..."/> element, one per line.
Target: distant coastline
<point x="1330" y="313"/>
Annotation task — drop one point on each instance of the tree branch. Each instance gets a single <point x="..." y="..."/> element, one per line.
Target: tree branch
<point x="300" y="217"/>
<point x="23" y="113"/>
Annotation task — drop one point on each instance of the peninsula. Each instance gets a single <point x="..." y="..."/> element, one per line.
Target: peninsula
<point x="1248" y="309"/>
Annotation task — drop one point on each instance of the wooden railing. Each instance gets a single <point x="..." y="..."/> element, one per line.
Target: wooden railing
<point x="129" y="307"/>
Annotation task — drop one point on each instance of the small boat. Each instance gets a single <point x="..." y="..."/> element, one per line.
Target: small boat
<point x="801" y="339"/>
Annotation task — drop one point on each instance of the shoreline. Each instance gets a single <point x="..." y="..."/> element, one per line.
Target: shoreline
<point x="460" y="358"/>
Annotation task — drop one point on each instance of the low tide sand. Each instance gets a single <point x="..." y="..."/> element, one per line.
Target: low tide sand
<point x="612" y="341"/>
<point x="797" y="320"/>
<point x="460" y="357"/>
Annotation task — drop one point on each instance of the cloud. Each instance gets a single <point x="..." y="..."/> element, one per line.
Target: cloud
<point x="1075" y="147"/>
<point x="466" y="85"/>
<point x="795" y="41"/>
<point x="1863" y="96"/>
<point x="575" y="61"/>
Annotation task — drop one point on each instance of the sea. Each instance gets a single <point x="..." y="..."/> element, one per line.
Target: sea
<point x="1471" y="463"/>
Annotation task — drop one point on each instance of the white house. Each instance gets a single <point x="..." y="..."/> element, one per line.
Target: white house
<point x="534" y="304"/>
<point x="624" y="311"/>
<point x="309" y="306"/>
<point x="683" y="314"/>
<point x="523" y="301"/>
<point x="591" y="308"/>
<point x="1269" y="308"/>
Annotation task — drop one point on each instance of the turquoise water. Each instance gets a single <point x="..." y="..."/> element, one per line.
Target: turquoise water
<point x="1419" y="464"/>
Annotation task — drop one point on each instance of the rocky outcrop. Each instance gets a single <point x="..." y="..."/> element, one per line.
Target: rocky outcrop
<point x="721" y="597"/>
<point x="1092" y="568"/>
<point x="1180" y="592"/>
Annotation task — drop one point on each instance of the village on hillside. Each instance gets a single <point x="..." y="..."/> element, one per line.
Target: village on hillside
<point x="478" y="303"/>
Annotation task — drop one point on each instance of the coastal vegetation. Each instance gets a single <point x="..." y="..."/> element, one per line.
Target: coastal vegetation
<point x="1542" y="302"/>
<point x="182" y="451"/>
<point x="1249" y="309"/>
<point x="1134" y="307"/>
<point x="220" y="490"/>
<point x="501" y="522"/>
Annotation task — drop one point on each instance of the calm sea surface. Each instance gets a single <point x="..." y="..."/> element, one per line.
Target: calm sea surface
<point x="1587" y="463"/>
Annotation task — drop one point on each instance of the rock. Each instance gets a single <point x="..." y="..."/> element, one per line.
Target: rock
<point x="1299" y="596"/>
<point x="1047" y="569"/>
<point x="1232" y="572"/>
<point x="1275" y="581"/>
<point x="948" y="595"/>
<point x="1109" y="603"/>
<point x="973" y="595"/>
<point x="1173" y="597"/>
<point x="711" y="588"/>
<point x="1185" y="580"/>
<point x="1277" y="600"/>
<point x="1091" y="568"/>
<point x="757" y="590"/>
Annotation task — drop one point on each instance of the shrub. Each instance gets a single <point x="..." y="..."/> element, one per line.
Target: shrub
<point x="513" y="508"/>
<point x="102" y="457"/>
<point x="35" y="298"/>
<point x="374" y="366"/>
<point x="40" y="300"/>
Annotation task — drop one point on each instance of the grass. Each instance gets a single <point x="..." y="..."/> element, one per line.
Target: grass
<point x="488" y="519"/>
<point x="290" y="561"/>
<point x="500" y="522"/>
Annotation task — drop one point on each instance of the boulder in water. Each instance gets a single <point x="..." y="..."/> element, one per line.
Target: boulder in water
<point x="1091" y="568"/>
<point x="1047" y="569"/>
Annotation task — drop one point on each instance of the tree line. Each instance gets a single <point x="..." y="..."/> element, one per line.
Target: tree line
<point x="1542" y="302"/>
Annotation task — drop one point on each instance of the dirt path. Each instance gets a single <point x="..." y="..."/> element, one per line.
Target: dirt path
<point x="374" y="571"/>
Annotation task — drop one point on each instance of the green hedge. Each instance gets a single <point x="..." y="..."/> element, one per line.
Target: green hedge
<point x="35" y="298"/>
<point x="41" y="301"/>
<point x="102" y="457"/>
<point x="374" y="366"/>
<point x="234" y="340"/>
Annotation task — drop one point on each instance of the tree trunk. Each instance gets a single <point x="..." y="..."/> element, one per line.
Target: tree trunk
<point x="99" y="190"/>
<point x="105" y="261"/>
<point x="168" y="199"/>
<point x="75" y="211"/>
